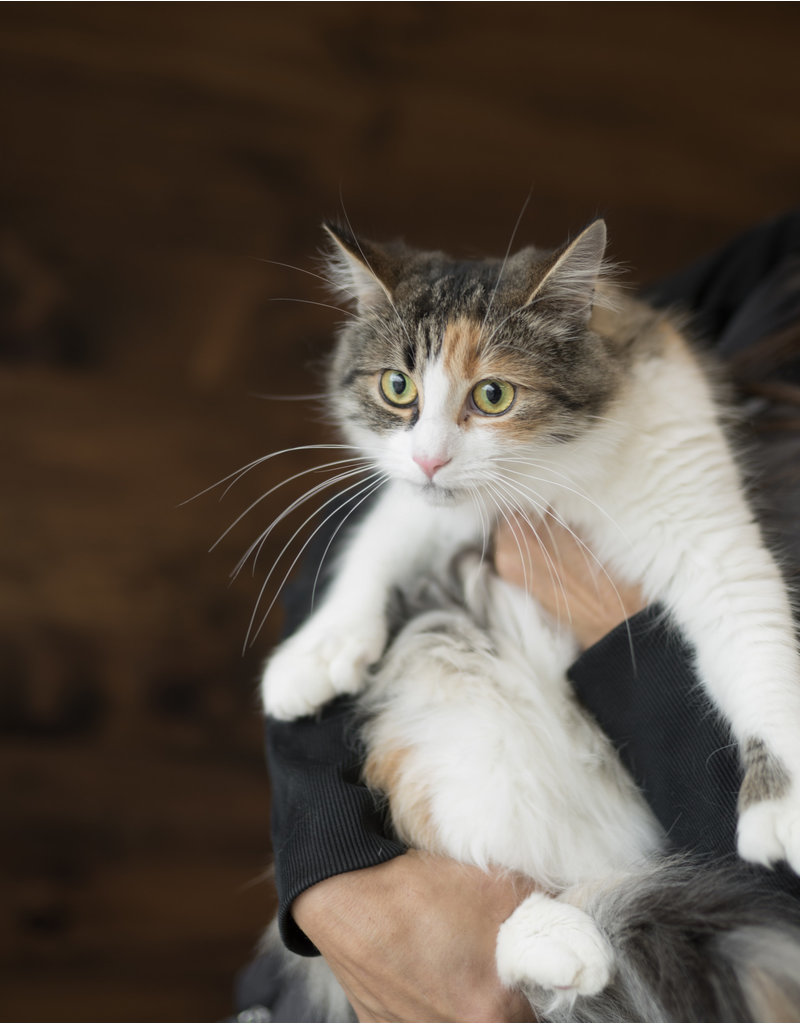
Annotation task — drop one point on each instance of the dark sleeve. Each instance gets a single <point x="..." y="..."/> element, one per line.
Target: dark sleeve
<point x="324" y="820"/>
<point x="639" y="684"/>
<point x="717" y="288"/>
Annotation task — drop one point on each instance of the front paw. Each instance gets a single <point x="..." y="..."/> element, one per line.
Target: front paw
<point x="546" y="944"/>
<point x="327" y="657"/>
<point x="769" y="807"/>
<point x="769" y="832"/>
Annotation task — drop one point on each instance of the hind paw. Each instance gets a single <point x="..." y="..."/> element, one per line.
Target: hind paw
<point x="550" y="945"/>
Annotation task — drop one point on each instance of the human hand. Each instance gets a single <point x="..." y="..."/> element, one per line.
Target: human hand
<point x="562" y="574"/>
<point x="414" y="939"/>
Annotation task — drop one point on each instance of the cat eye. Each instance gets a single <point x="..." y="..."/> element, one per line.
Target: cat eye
<point x="493" y="397"/>
<point x="398" y="388"/>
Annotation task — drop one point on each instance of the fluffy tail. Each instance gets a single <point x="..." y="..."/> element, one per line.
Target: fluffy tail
<point x="696" y="944"/>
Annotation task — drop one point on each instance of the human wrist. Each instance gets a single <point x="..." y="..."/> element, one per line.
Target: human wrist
<point x="323" y="908"/>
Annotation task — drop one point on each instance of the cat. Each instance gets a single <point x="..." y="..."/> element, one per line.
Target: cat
<point x="534" y="386"/>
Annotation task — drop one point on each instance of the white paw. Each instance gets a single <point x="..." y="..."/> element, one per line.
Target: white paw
<point x="327" y="657"/>
<point x="770" y="831"/>
<point x="553" y="945"/>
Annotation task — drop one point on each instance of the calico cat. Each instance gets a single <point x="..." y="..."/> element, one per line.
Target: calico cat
<point x="532" y="386"/>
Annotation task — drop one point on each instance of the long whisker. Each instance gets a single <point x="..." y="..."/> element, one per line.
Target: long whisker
<point x="237" y="474"/>
<point x="505" y="510"/>
<point x="333" y="536"/>
<point x="503" y="264"/>
<point x="563" y="486"/>
<point x="477" y="499"/>
<point x="528" y="494"/>
<point x="288" y="480"/>
<point x="587" y="554"/>
<point x="372" y="271"/>
<point x="291" y="266"/>
<point x="286" y="398"/>
<point x="258" y="544"/>
<point x="314" y="302"/>
<point x="552" y="568"/>
<point x="363" y="494"/>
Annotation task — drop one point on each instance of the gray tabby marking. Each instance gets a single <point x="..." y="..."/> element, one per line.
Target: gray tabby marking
<point x="765" y="777"/>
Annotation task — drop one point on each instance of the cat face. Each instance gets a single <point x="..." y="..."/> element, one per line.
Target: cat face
<point x="451" y="370"/>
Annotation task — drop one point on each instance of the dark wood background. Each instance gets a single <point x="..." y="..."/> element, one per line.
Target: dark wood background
<point x="153" y="158"/>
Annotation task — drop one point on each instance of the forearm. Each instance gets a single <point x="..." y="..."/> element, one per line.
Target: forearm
<point x="414" y="939"/>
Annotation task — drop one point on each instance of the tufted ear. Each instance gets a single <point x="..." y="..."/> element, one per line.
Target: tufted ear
<point x="365" y="271"/>
<point x="571" y="278"/>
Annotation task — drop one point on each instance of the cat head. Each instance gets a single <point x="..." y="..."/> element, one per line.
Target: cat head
<point x="448" y="367"/>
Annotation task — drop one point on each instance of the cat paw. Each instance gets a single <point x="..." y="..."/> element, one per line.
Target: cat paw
<point x="326" y="658"/>
<point x="769" y="832"/>
<point x="550" y="945"/>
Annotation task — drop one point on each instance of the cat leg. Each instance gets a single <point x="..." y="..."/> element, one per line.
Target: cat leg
<point x="752" y="670"/>
<point x="551" y="945"/>
<point x="722" y="586"/>
<point x="329" y="655"/>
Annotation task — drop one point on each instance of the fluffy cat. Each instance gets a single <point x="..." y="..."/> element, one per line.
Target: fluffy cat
<point x="532" y="386"/>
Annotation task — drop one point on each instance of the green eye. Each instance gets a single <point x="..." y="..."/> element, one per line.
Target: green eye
<point x="493" y="396"/>
<point x="398" y="388"/>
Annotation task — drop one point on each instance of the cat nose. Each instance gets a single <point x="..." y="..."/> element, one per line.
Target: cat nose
<point x="430" y="464"/>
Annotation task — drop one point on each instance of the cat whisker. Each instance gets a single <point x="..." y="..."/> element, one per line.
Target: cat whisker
<point x="335" y="533"/>
<point x="521" y="513"/>
<point x="552" y="567"/>
<point x="477" y="499"/>
<point x="365" y="463"/>
<point x="372" y="271"/>
<point x="506" y="511"/>
<point x="363" y="453"/>
<point x="238" y="474"/>
<point x="359" y="497"/>
<point x="570" y="487"/>
<point x="314" y="302"/>
<point x="587" y="554"/>
<point x="287" y="398"/>
<point x="290" y="266"/>
<point x="258" y="544"/>
<point x="503" y="264"/>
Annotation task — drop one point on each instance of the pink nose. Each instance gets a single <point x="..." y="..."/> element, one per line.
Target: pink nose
<point x="430" y="464"/>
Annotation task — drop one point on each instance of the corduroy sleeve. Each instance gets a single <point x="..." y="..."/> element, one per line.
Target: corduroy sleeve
<point x="324" y="820"/>
<point x="639" y="683"/>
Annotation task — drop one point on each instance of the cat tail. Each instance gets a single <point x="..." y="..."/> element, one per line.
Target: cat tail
<point x="695" y="943"/>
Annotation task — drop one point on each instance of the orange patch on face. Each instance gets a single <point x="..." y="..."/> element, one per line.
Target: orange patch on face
<point x="409" y="801"/>
<point x="461" y="347"/>
<point x="468" y="359"/>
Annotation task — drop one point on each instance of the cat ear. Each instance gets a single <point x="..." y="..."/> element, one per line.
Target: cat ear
<point x="360" y="269"/>
<point x="571" y="278"/>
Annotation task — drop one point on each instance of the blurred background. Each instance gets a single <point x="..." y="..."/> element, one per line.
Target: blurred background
<point x="159" y="164"/>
